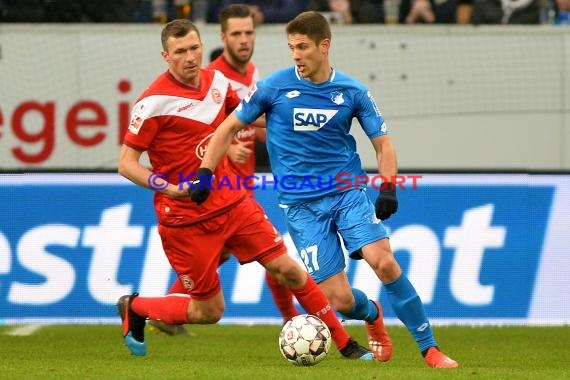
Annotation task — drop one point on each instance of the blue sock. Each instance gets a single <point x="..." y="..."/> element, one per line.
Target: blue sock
<point x="363" y="308"/>
<point x="409" y="309"/>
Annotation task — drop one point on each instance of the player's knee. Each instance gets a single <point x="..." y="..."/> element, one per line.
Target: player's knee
<point x="342" y="303"/>
<point x="387" y="269"/>
<point x="291" y="274"/>
<point x="206" y="313"/>
<point x="213" y="318"/>
<point x="210" y="316"/>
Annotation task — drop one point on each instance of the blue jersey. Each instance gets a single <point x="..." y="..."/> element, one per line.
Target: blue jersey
<point x="311" y="150"/>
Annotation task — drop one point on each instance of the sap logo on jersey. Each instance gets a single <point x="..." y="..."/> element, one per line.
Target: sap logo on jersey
<point x="311" y="119"/>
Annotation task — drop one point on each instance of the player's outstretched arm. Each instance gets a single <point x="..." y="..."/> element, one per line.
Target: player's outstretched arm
<point x="217" y="147"/>
<point x="221" y="141"/>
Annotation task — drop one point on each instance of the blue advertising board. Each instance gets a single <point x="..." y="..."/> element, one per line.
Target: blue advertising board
<point x="478" y="248"/>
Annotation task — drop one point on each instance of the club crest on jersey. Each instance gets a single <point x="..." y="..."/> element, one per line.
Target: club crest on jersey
<point x="336" y="97"/>
<point x="187" y="282"/>
<point x="217" y="95"/>
<point x="203" y="146"/>
<point x="311" y="119"/>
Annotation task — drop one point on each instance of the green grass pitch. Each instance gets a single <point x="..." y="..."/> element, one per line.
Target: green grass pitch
<point x="251" y="352"/>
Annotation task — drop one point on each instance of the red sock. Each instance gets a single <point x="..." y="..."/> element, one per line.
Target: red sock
<point x="170" y="309"/>
<point x="314" y="301"/>
<point x="177" y="287"/>
<point x="282" y="296"/>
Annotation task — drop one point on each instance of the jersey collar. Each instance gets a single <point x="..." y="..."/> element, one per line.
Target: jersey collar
<point x="331" y="77"/>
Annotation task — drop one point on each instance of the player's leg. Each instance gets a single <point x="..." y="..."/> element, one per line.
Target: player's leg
<point x="172" y="309"/>
<point x="314" y="301"/>
<point x="258" y="240"/>
<point x="405" y="302"/>
<point x="282" y="296"/>
<point x="178" y="288"/>
<point x="163" y="327"/>
<point x="314" y="232"/>
<point x="365" y="237"/>
<point x="352" y="303"/>
<point x="135" y="310"/>
<point x="203" y="302"/>
<point x="358" y="227"/>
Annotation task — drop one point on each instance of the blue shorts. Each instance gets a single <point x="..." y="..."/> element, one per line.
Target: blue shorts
<point x="315" y="228"/>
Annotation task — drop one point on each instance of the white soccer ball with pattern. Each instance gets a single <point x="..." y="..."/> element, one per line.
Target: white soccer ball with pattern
<point x="305" y="340"/>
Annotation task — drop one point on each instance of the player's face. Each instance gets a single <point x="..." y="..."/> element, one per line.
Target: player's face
<point x="239" y="39"/>
<point x="310" y="58"/>
<point x="184" y="58"/>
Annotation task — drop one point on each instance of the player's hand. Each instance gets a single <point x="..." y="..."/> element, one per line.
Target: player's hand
<point x="387" y="202"/>
<point x="239" y="153"/>
<point x="200" y="187"/>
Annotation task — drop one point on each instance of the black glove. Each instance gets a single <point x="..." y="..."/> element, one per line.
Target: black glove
<point x="387" y="202"/>
<point x="200" y="187"/>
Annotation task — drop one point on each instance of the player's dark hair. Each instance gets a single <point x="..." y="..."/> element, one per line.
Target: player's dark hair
<point x="234" y="11"/>
<point x="311" y="24"/>
<point x="177" y="28"/>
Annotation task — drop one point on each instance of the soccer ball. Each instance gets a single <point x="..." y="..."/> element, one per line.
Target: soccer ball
<point x="305" y="340"/>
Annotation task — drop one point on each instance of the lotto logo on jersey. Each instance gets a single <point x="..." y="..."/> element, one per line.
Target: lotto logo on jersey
<point x="311" y="119"/>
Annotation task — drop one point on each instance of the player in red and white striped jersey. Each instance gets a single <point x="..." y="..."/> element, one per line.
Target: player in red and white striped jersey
<point x="238" y="37"/>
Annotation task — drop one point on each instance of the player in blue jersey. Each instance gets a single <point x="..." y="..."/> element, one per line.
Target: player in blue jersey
<point x="309" y="109"/>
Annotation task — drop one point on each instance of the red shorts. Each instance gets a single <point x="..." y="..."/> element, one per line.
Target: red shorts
<point x="194" y="251"/>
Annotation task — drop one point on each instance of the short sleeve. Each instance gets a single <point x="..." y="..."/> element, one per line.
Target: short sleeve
<point x="368" y="114"/>
<point x="255" y="104"/>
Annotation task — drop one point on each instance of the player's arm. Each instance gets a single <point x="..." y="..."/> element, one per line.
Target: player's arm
<point x="129" y="166"/>
<point x="217" y="148"/>
<point x="260" y="122"/>
<point x="372" y="122"/>
<point x="385" y="157"/>
<point x="221" y="141"/>
<point x="387" y="202"/>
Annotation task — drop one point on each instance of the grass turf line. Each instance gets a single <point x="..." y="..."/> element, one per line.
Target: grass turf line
<point x="251" y="352"/>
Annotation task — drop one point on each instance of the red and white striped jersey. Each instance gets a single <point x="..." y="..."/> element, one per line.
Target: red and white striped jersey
<point x="174" y="124"/>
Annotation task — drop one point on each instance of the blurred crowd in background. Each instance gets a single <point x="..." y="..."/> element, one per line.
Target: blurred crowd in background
<point x="474" y="12"/>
